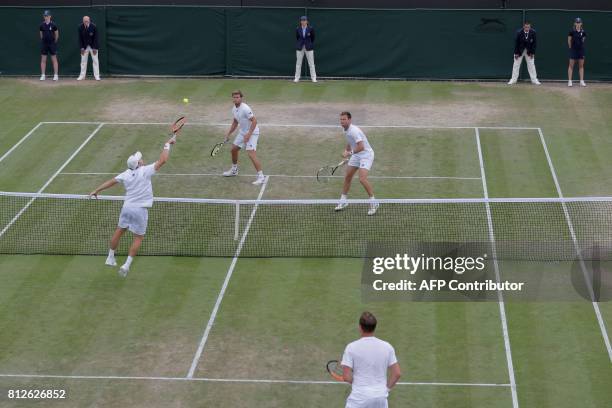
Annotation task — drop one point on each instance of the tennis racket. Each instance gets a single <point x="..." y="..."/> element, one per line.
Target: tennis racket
<point x="324" y="174"/>
<point x="335" y="370"/>
<point x="217" y="148"/>
<point x="177" y="126"/>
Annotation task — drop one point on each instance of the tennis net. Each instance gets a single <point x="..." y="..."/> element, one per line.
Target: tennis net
<point x="524" y="228"/>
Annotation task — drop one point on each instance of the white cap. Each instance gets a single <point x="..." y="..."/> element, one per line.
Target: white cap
<point x="132" y="161"/>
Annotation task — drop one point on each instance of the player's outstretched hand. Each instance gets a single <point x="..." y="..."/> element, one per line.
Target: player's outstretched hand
<point x="93" y="194"/>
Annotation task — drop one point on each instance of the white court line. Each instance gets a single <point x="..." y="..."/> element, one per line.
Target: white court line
<point x="278" y="175"/>
<point x="301" y="125"/>
<point x="23" y="139"/>
<point x="602" y="325"/>
<point x="500" y="297"/>
<point x="230" y="271"/>
<point x="72" y="156"/>
<point x="236" y="380"/>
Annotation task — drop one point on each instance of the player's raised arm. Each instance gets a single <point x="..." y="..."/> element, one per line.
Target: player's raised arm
<point x="165" y="154"/>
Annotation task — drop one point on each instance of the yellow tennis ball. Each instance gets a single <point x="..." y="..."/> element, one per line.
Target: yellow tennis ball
<point x="185" y="100"/>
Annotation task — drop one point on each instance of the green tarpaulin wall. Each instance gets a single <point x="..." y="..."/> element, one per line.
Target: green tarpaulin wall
<point x="446" y="44"/>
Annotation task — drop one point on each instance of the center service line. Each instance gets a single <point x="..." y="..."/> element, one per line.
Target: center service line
<point x="230" y="271"/>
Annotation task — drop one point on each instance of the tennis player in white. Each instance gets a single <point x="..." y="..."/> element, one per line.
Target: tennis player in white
<point x="138" y="198"/>
<point x="247" y="137"/>
<point x="361" y="159"/>
<point x="365" y="364"/>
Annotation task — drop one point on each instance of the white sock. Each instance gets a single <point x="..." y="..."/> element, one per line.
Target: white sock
<point x="260" y="173"/>
<point x="342" y="197"/>
<point x="128" y="261"/>
<point x="111" y="253"/>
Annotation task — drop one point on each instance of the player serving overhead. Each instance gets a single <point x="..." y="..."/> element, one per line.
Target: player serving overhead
<point x="138" y="198"/>
<point x="360" y="157"/>
<point x="247" y="136"/>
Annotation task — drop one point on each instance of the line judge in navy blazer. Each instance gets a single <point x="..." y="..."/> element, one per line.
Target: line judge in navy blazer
<point x="305" y="37"/>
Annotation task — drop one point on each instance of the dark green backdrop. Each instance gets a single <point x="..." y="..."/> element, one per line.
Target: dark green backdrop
<point x="470" y="44"/>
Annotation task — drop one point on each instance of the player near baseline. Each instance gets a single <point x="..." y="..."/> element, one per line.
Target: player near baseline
<point x="360" y="158"/>
<point x="365" y="365"/>
<point x="138" y="199"/>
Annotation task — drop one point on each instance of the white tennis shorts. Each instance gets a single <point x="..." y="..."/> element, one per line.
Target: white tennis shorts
<point x="135" y="219"/>
<point x="362" y="162"/>
<point x="370" y="403"/>
<point x="251" y="145"/>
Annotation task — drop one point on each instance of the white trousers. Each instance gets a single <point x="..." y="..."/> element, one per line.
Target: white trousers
<point x="298" y="63"/>
<point x="530" y="67"/>
<point x="95" y="63"/>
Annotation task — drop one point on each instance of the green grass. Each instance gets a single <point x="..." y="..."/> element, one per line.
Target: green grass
<point x="282" y="318"/>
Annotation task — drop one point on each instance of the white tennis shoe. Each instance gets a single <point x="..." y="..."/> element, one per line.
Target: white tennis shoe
<point x="110" y="261"/>
<point x="43" y="77"/>
<point x="123" y="271"/>
<point x="569" y="83"/>
<point x="55" y="77"/>
<point x="582" y="83"/>
<point x="536" y="82"/>
<point x="341" y="206"/>
<point x="373" y="208"/>
<point x="260" y="180"/>
<point x="231" y="172"/>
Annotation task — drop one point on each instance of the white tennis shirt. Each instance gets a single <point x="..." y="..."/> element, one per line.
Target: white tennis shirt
<point x="138" y="187"/>
<point x="243" y="115"/>
<point x="355" y="135"/>
<point x="370" y="358"/>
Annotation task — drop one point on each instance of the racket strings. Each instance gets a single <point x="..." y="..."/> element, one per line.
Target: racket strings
<point x="335" y="370"/>
<point x="325" y="173"/>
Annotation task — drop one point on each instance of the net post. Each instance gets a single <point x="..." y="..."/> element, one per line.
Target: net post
<point x="237" y="221"/>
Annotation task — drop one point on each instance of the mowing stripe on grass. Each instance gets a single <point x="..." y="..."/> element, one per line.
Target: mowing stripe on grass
<point x="72" y="156"/>
<point x="230" y="271"/>
<point x="236" y="380"/>
<point x="23" y="139"/>
<point x="570" y="225"/>
<point x="500" y="297"/>
<point x="280" y="176"/>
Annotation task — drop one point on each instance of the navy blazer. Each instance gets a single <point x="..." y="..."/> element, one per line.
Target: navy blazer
<point x="305" y="41"/>
<point x="521" y="42"/>
<point x="88" y="36"/>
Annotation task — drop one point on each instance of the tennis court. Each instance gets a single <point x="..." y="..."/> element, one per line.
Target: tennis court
<point x="238" y="330"/>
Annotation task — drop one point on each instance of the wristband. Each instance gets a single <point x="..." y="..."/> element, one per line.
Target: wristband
<point x="167" y="146"/>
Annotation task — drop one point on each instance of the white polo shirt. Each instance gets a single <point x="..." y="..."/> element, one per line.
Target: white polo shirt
<point x="370" y="358"/>
<point x="138" y="187"/>
<point x="355" y="135"/>
<point x="243" y="115"/>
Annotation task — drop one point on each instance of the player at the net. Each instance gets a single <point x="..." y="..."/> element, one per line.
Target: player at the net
<point x="138" y="199"/>
<point x="360" y="157"/>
